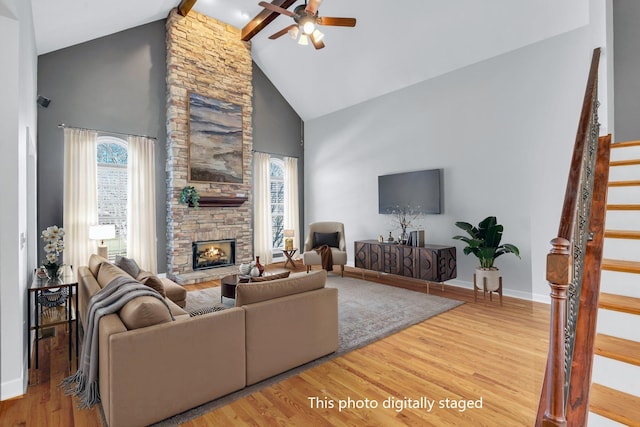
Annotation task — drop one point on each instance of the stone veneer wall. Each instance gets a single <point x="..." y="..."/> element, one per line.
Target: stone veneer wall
<point x="207" y="57"/>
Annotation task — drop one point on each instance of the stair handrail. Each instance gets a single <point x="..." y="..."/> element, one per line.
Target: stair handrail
<point x="566" y="261"/>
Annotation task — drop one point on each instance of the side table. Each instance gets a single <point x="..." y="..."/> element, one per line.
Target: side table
<point x="228" y="285"/>
<point x="44" y="317"/>
<point x="289" y="254"/>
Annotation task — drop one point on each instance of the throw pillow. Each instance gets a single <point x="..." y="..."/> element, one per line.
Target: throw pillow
<point x="108" y="272"/>
<point x="95" y="261"/>
<point x="270" y="277"/>
<point x="144" y="311"/>
<point x="329" y="239"/>
<point x="152" y="281"/>
<point x="129" y="265"/>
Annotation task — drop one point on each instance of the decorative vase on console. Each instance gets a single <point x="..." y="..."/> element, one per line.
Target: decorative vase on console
<point x="254" y="272"/>
<point x="245" y="269"/>
<point x="259" y="266"/>
<point x="403" y="236"/>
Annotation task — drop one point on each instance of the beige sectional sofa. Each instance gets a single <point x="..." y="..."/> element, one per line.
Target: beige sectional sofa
<point x="151" y="367"/>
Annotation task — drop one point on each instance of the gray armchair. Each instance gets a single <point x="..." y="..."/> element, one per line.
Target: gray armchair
<point x="330" y="233"/>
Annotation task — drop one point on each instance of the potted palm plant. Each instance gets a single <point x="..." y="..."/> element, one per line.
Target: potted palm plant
<point x="484" y="242"/>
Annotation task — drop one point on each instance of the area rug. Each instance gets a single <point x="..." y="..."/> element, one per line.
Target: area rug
<point x="367" y="312"/>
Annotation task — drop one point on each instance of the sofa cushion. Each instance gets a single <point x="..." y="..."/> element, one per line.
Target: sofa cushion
<point x="144" y="311"/>
<point x="152" y="281"/>
<point x="94" y="263"/>
<point x="129" y="265"/>
<point x="270" y="277"/>
<point x="329" y="239"/>
<point x="175" y="292"/>
<point x="250" y="293"/>
<point x="108" y="272"/>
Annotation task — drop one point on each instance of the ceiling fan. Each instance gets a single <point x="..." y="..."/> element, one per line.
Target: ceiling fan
<point x="306" y="21"/>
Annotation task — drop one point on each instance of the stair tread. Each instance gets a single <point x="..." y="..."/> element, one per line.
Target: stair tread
<point x="624" y="207"/>
<point x="615" y="405"/>
<point x="625" y="144"/>
<point x="629" y="162"/>
<point x="627" y="183"/>
<point x="622" y="234"/>
<point x="623" y="266"/>
<point x="619" y="303"/>
<point x="618" y="349"/>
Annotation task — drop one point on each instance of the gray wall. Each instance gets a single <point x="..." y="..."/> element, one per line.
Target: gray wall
<point x="277" y="129"/>
<point x="115" y="83"/>
<point x="502" y="130"/>
<point x="626" y="55"/>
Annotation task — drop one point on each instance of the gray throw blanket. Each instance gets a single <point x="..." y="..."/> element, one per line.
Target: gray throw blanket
<point x="110" y="299"/>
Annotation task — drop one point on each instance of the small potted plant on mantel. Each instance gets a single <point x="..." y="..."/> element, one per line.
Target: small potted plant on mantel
<point x="190" y="196"/>
<point x="484" y="243"/>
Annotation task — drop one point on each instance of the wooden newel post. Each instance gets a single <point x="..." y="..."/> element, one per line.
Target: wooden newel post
<point x="559" y="273"/>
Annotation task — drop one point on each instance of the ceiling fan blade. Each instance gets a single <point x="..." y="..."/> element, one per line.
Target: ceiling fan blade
<point x="282" y="32"/>
<point x="312" y="6"/>
<point x="336" y="22"/>
<point x="277" y="9"/>
<point x="263" y="19"/>
<point x="318" y="44"/>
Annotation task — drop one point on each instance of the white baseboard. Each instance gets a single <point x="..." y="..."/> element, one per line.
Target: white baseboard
<point x="13" y="388"/>
<point x="506" y="292"/>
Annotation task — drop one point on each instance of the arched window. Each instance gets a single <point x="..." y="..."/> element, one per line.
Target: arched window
<point x="112" y="190"/>
<point x="277" y="203"/>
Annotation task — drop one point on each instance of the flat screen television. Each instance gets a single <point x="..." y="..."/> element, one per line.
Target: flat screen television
<point x="419" y="190"/>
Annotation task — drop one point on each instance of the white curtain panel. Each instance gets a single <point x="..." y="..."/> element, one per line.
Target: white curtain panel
<point x="80" y="195"/>
<point x="262" y="208"/>
<point x="291" y="207"/>
<point x="141" y="203"/>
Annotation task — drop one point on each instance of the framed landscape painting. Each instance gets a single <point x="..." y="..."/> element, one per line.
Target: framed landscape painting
<point x="215" y="140"/>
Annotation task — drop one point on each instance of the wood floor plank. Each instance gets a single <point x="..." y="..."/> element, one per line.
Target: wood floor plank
<point x="477" y="350"/>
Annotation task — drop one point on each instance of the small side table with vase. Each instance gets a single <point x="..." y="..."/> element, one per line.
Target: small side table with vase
<point x="55" y="302"/>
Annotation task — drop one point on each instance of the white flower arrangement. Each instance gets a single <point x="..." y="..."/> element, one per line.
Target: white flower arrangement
<point x="54" y="244"/>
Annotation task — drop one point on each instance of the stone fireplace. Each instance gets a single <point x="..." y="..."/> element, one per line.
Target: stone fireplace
<point x="213" y="254"/>
<point x="206" y="57"/>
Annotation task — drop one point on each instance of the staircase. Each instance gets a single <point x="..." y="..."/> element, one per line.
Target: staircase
<point x="615" y="390"/>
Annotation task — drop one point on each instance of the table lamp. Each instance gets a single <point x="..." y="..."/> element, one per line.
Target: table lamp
<point x="102" y="233"/>
<point x="288" y="239"/>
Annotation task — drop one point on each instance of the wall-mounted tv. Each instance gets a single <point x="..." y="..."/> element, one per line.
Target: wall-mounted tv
<point x="419" y="190"/>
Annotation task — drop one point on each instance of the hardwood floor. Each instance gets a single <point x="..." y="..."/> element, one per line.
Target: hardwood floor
<point x="478" y="354"/>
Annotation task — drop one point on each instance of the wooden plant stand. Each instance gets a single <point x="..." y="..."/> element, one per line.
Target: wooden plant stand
<point x="484" y="290"/>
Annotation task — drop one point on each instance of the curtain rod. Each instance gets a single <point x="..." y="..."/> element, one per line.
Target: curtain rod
<point x="63" y="126"/>
<point x="275" y="154"/>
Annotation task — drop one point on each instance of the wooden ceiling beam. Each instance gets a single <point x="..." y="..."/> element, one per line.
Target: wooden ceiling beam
<point x="263" y="19"/>
<point x="185" y="6"/>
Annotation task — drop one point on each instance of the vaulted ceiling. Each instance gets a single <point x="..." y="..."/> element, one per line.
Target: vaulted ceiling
<point x="394" y="44"/>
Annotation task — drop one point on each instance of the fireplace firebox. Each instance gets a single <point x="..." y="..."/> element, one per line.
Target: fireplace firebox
<point x="213" y="253"/>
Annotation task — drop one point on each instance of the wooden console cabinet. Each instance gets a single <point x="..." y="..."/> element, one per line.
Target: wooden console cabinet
<point x="433" y="263"/>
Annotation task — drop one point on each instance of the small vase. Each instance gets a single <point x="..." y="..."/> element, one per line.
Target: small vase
<point x="259" y="266"/>
<point x="245" y="269"/>
<point x="52" y="271"/>
<point x="254" y="272"/>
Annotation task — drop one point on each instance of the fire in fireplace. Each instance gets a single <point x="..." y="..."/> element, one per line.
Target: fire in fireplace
<point x="213" y="253"/>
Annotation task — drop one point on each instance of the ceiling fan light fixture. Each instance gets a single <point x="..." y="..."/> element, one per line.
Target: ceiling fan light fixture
<point x="293" y="32"/>
<point x="308" y="26"/>
<point x="317" y="35"/>
<point x="303" y="40"/>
